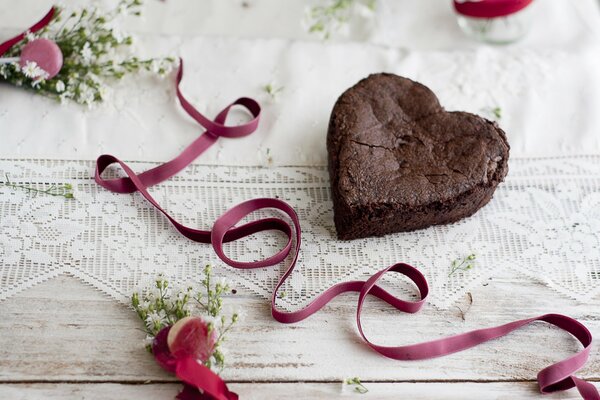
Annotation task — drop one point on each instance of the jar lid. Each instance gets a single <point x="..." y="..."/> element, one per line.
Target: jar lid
<point x="489" y="8"/>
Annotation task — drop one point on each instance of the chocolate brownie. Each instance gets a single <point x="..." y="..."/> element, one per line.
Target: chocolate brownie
<point x="399" y="162"/>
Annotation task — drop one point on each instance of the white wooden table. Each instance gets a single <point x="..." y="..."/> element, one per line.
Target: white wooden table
<point x="65" y="340"/>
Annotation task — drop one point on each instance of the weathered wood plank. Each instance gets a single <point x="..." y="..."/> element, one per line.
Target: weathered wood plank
<point x="276" y="391"/>
<point x="63" y="330"/>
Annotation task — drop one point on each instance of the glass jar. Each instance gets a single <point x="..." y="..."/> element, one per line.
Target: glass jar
<point x="494" y="21"/>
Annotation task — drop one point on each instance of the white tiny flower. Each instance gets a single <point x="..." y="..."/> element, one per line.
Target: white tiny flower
<point x="60" y="86"/>
<point x="224" y="282"/>
<point x="156" y="318"/>
<point x="144" y="305"/>
<point x="122" y="10"/>
<point x="118" y="35"/>
<point x="36" y="83"/>
<point x="148" y="340"/>
<point x="86" y="94"/>
<point x="30" y="37"/>
<point x="64" y="97"/>
<point x="167" y="66"/>
<point x="93" y="77"/>
<point x="31" y="70"/>
<point x="155" y="66"/>
<point x="214" y="321"/>
<point x="86" y="52"/>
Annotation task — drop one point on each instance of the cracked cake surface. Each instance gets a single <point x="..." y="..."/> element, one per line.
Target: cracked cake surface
<point x="399" y="162"/>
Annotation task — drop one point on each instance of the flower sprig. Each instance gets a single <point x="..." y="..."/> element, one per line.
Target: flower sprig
<point x="355" y="384"/>
<point x="62" y="190"/>
<point x="326" y="19"/>
<point x="161" y="306"/>
<point x="272" y="90"/>
<point x="210" y="301"/>
<point x="494" y="112"/>
<point x="462" y="265"/>
<point x="92" y="55"/>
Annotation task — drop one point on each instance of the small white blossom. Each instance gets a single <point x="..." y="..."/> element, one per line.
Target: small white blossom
<point x="4" y="71"/>
<point x="86" y="94"/>
<point x="118" y="35"/>
<point x="224" y="282"/>
<point x="214" y="321"/>
<point x="144" y="305"/>
<point x="60" y="86"/>
<point x="36" y="83"/>
<point x="155" y="66"/>
<point x="122" y="10"/>
<point x="64" y="97"/>
<point x="156" y="318"/>
<point x="30" y="37"/>
<point x="148" y="340"/>
<point x="33" y="71"/>
<point x="86" y="53"/>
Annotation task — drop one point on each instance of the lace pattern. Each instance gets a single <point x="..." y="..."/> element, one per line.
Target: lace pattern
<point x="543" y="224"/>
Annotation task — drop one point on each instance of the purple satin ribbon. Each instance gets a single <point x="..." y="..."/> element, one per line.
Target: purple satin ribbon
<point x="556" y="377"/>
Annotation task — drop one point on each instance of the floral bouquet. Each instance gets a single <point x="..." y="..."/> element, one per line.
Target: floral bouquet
<point x="73" y="55"/>
<point x="189" y="346"/>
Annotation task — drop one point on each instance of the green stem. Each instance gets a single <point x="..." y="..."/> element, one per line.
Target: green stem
<point x="61" y="191"/>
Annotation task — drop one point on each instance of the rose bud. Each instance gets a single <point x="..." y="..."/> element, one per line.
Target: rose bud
<point x="190" y="336"/>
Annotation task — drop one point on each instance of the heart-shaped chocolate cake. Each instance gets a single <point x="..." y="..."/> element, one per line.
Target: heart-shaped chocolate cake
<point x="399" y="162"/>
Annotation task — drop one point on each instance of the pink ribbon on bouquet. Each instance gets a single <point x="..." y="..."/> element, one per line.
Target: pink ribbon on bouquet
<point x="556" y="377"/>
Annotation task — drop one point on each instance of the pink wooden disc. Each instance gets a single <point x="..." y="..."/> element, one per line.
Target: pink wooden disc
<point x="45" y="53"/>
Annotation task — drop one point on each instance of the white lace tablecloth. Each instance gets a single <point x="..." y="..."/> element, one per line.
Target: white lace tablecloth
<point x="543" y="223"/>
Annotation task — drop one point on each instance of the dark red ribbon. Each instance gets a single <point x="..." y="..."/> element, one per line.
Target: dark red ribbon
<point x="556" y="377"/>
<point x="4" y="47"/>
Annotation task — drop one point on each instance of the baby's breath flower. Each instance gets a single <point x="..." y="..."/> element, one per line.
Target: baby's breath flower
<point x="86" y="93"/>
<point x="86" y="53"/>
<point x="33" y="71"/>
<point x="30" y="37"/>
<point x="59" y="86"/>
<point x="4" y="71"/>
<point x="36" y="83"/>
<point x="156" y="319"/>
<point x="148" y="340"/>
